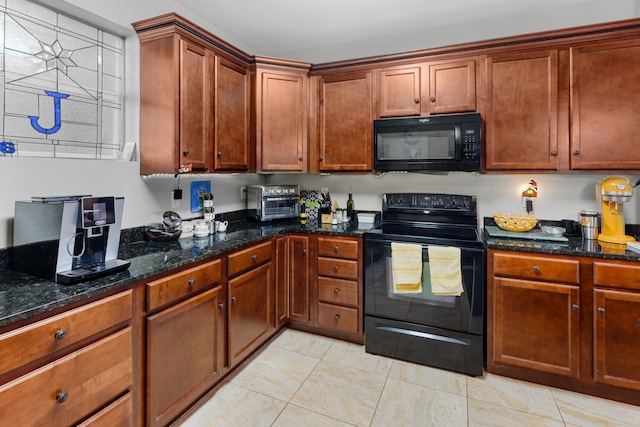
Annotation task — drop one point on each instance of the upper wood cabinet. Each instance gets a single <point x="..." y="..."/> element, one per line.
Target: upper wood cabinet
<point x="281" y="116"/>
<point x="604" y="105"/>
<point x="194" y="100"/>
<point x="428" y="88"/>
<point x="345" y="122"/>
<point x="522" y="111"/>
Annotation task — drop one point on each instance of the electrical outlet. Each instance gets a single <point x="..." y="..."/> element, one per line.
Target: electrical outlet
<point x="243" y="192"/>
<point x="175" y="203"/>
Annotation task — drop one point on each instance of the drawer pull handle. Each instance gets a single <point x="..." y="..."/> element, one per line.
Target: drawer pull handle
<point x="535" y="268"/>
<point x="601" y="310"/>
<point x="60" y="335"/>
<point x="336" y="248"/>
<point x="335" y="268"/>
<point x="336" y="317"/>
<point x="192" y="282"/>
<point x="575" y="307"/>
<point x="221" y="306"/>
<point x="335" y="291"/>
<point x="234" y="299"/>
<point x="254" y="258"/>
<point x="61" y="397"/>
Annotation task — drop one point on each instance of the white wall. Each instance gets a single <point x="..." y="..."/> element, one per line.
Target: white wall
<point x="146" y="198"/>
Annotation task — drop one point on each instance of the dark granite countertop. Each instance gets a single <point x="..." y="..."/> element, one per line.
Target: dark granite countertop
<point x="576" y="246"/>
<point x="23" y="296"/>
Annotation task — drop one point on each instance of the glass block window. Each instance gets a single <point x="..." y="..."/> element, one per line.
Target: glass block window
<point x="61" y="83"/>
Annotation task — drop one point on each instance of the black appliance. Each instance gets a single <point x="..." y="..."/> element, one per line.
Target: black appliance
<point x="451" y="142"/>
<point x="441" y="331"/>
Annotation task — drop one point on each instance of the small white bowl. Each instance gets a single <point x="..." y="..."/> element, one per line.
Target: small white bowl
<point x="552" y="230"/>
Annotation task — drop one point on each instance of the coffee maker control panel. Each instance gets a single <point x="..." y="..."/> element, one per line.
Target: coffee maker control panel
<point x="97" y="211"/>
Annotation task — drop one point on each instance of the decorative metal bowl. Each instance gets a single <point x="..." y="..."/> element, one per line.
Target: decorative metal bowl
<point x="157" y="233"/>
<point x="515" y="222"/>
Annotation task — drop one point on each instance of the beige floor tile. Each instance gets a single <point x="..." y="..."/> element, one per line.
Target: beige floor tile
<point x="587" y="411"/>
<point x="233" y="405"/>
<point x="451" y="382"/>
<point x="518" y="395"/>
<point x="276" y="372"/>
<point x="354" y="355"/>
<point x="295" y="416"/>
<point x="303" y="343"/>
<point x="405" y="404"/>
<point x="341" y="392"/>
<point x="483" y="414"/>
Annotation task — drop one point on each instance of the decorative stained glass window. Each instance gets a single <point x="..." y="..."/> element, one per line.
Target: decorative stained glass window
<point x="61" y="85"/>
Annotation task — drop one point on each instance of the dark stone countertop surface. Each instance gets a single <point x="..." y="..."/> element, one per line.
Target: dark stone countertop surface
<point x="576" y="246"/>
<point x="23" y="296"/>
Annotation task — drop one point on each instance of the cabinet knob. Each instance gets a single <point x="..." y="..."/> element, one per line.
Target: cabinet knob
<point x="554" y="153"/>
<point x="575" y="307"/>
<point x="219" y="153"/>
<point x="336" y="249"/>
<point x="254" y="258"/>
<point x="576" y="152"/>
<point x="300" y="158"/>
<point x="335" y="268"/>
<point x="535" y="268"/>
<point x="304" y="251"/>
<point x="192" y="282"/>
<point x="221" y="306"/>
<point x="601" y="310"/>
<point x="416" y="100"/>
<point x="61" y="397"/>
<point x="335" y="291"/>
<point x="433" y="99"/>
<point x="336" y="317"/>
<point x="185" y="152"/>
<point x="321" y="158"/>
<point x="234" y="299"/>
<point x="61" y="334"/>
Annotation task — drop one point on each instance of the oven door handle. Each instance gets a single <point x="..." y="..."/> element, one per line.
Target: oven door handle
<point x="422" y="335"/>
<point x="279" y="199"/>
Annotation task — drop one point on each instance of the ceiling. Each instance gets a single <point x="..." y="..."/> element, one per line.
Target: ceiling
<point x="330" y="30"/>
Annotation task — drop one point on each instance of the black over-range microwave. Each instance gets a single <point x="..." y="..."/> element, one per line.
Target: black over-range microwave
<point x="451" y="142"/>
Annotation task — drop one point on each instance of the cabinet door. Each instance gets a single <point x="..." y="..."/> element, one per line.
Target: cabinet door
<point x="522" y="111"/>
<point x="399" y="91"/>
<point x="535" y="325"/>
<point x="282" y="279"/>
<point x="452" y="87"/>
<point x="195" y="106"/>
<point x="299" y="278"/>
<point x="185" y="354"/>
<point x="617" y="334"/>
<point x="231" y="112"/>
<point x="281" y="128"/>
<point x="250" y="311"/>
<point x="346" y="122"/>
<point x="605" y="107"/>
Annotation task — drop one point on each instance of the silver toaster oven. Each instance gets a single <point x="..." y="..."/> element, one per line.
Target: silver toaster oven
<point x="269" y="202"/>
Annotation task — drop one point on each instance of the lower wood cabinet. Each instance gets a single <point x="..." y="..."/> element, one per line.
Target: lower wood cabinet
<point x="568" y="322"/>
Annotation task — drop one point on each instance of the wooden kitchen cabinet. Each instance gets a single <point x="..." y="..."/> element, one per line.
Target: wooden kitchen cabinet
<point x="281" y="279"/>
<point x="186" y="352"/>
<point x="604" y="105"/>
<point x="427" y="88"/>
<point x="64" y="369"/>
<point x="251" y="300"/>
<point x="522" y="111"/>
<point x="345" y="122"/>
<point x="281" y="116"/>
<point x="299" y="278"/>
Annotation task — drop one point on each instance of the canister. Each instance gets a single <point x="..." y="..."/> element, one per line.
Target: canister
<point x="589" y="220"/>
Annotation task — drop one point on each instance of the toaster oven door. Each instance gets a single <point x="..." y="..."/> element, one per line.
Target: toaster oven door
<point x="280" y="207"/>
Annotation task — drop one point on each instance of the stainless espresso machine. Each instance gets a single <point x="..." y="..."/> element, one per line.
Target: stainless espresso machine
<point x="68" y="239"/>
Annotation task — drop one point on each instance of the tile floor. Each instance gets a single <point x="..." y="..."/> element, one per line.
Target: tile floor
<point x="305" y="380"/>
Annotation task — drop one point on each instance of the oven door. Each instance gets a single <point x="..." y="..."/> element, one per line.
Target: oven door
<point x="464" y="313"/>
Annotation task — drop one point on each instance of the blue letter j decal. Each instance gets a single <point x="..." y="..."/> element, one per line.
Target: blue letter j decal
<point x="56" y="106"/>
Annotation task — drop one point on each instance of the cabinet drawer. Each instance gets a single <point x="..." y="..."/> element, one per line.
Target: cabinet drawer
<point x="69" y="389"/>
<point x="119" y="413"/>
<point x="338" y="291"/>
<point x="616" y="275"/>
<point x="178" y="285"/>
<point x="337" y="317"/>
<point x="337" y="248"/>
<point x="338" y="268"/>
<point x="32" y="342"/>
<point x="536" y="267"/>
<point x="248" y="258"/>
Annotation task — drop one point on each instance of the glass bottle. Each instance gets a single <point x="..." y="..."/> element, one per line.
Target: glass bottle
<point x="303" y="210"/>
<point x="350" y="206"/>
